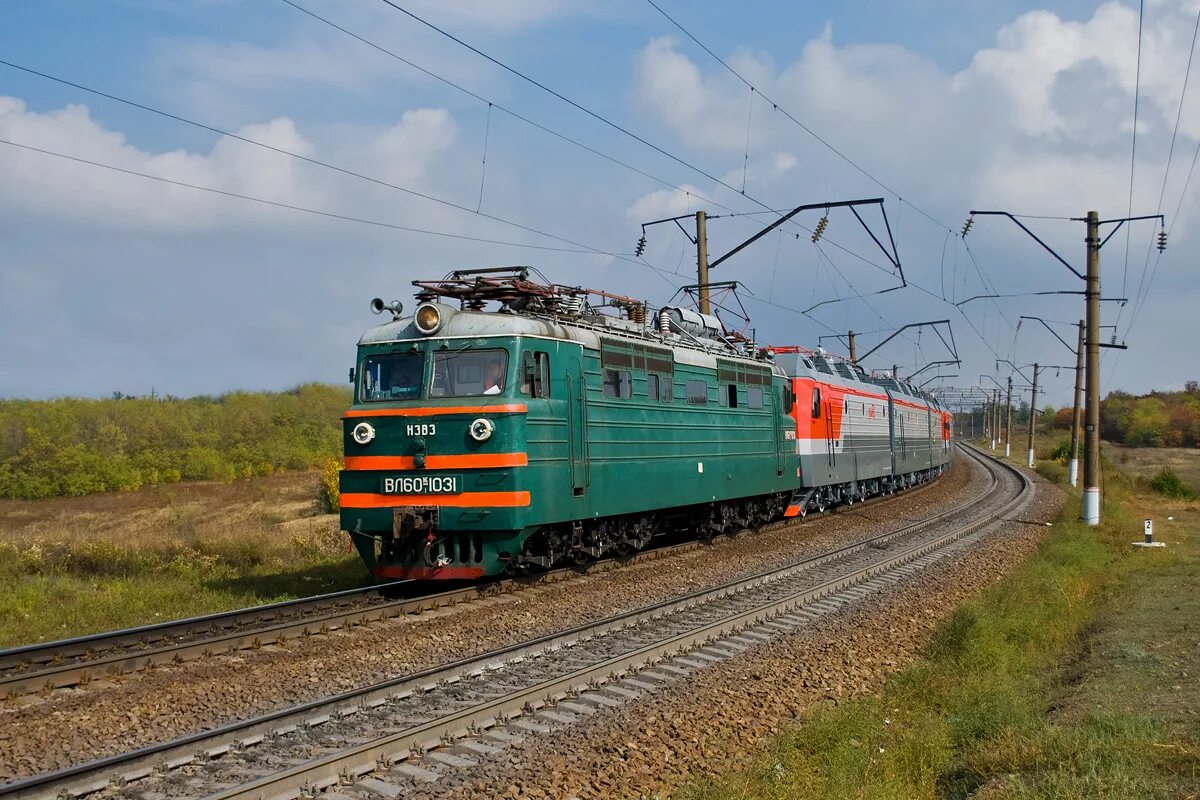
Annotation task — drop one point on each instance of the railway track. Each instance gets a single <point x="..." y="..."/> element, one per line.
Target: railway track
<point x="385" y="739"/>
<point x="78" y="661"/>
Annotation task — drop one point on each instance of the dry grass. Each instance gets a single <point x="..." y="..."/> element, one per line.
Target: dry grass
<point x="1146" y="462"/>
<point x="75" y="565"/>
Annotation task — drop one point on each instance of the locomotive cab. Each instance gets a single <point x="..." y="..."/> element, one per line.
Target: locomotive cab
<point x="434" y="448"/>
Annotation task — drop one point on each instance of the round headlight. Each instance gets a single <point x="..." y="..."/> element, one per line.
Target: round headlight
<point x="428" y="318"/>
<point x="481" y="429"/>
<point x="363" y="432"/>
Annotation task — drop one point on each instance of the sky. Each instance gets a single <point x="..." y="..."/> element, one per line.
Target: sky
<point x="337" y="150"/>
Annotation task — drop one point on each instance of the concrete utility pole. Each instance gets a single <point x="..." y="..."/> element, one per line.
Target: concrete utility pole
<point x="993" y="410"/>
<point x="1090" y="512"/>
<point x="850" y="337"/>
<point x="896" y="371"/>
<point x="1008" y="421"/>
<point x="996" y="432"/>
<point x="1078" y="410"/>
<point x="1091" y="447"/>
<point x="1033" y="413"/>
<point x="702" y="262"/>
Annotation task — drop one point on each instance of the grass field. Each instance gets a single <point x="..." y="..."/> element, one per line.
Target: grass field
<point x="76" y="565"/>
<point x="1075" y="677"/>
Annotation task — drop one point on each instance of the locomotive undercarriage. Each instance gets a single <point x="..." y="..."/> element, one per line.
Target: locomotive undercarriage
<point x="416" y="540"/>
<point x="584" y="541"/>
<point x="589" y="540"/>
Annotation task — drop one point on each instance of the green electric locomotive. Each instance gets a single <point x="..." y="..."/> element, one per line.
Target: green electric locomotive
<point x="509" y="425"/>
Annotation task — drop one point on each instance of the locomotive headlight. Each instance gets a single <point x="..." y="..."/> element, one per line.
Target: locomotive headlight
<point x="481" y="429"/>
<point x="428" y="318"/>
<point x="363" y="433"/>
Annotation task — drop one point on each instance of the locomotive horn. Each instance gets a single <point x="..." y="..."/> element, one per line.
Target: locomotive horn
<point x="378" y="307"/>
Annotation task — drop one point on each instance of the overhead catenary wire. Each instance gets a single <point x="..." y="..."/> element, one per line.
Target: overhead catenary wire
<point x="688" y="192"/>
<point x="294" y="207"/>
<point x="426" y="196"/>
<point x="1137" y="86"/>
<point x="574" y="104"/>
<point x="746" y="157"/>
<point x="487" y="132"/>
<point x="625" y="131"/>
<point x="292" y="154"/>
<point x="496" y="105"/>
<point x="1142" y="285"/>
<point x="582" y="250"/>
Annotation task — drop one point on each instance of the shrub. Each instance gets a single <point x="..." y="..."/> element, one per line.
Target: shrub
<point x="75" y="446"/>
<point x="328" y="493"/>
<point x="1061" y="452"/>
<point x="1168" y="483"/>
<point x="1052" y="471"/>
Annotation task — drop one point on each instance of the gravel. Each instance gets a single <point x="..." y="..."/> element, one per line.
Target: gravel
<point x="39" y="733"/>
<point x="719" y="720"/>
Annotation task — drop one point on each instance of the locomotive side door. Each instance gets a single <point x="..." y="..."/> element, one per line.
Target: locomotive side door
<point x="777" y="399"/>
<point x="577" y="432"/>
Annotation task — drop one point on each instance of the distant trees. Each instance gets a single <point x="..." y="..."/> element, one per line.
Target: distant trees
<point x="73" y="446"/>
<point x="1159" y="419"/>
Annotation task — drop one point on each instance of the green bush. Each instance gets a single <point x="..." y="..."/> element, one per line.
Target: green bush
<point x="1168" y="483"/>
<point x="1061" y="452"/>
<point x="75" y="446"/>
<point x="329" y="495"/>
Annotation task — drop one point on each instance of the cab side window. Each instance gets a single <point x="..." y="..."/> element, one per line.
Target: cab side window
<point x="816" y="402"/>
<point x="535" y="374"/>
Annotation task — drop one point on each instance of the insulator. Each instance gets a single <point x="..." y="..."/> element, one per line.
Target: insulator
<point x="1162" y="240"/>
<point x="967" y="226"/>
<point x="641" y="247"/>
<point x="821" y="223"/>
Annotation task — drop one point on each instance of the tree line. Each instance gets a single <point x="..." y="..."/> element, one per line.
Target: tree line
<point x="76" y="446"/>
<point x="1157" y="419"/>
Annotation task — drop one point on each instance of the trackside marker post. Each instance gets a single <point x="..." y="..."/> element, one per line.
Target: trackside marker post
<point x="1148" y="535"/>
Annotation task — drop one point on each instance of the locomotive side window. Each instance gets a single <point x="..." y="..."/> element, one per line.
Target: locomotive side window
<point x="396" y="376"/>
<point x="754" y="398"/>
<point x="816" y="402"/>
<point x="697" y="393"/>
<point x="535" y="374"/>
<point x="789" y="398"/>
<point x="468" y="373"/>
<point x="658" y="387"/>
<point x="731" y="397"/>
<point x="618" y="383"/>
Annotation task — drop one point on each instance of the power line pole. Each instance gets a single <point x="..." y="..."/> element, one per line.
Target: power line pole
<point x="1033" y="413"/>
<point x="1090" y="512"/>
<point x="1008" y="421"/>
<point x="1078" y="410"/>
<point x="1091" y="448"/>
<point x="990" y="409"/>
<point x="996" y="432"/>
<point x="850" y="337"/>
<point x="702" y="261"/>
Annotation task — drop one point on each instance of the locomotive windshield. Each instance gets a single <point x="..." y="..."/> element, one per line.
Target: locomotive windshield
<point x="468" y="373"/>
<point x="392" y="377"/>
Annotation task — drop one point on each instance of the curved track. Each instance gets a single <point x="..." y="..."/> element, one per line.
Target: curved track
<point x="380" y="739"/>
<point x="73" y="662"/>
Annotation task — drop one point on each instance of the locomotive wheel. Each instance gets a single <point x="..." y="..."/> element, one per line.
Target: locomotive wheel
<point x="820" y="505"/>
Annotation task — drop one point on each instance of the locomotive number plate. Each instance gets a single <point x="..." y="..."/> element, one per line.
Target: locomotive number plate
<point x="421" y="484"/>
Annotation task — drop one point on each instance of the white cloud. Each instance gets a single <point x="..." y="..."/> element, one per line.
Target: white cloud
<point x="403" y="153"/>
